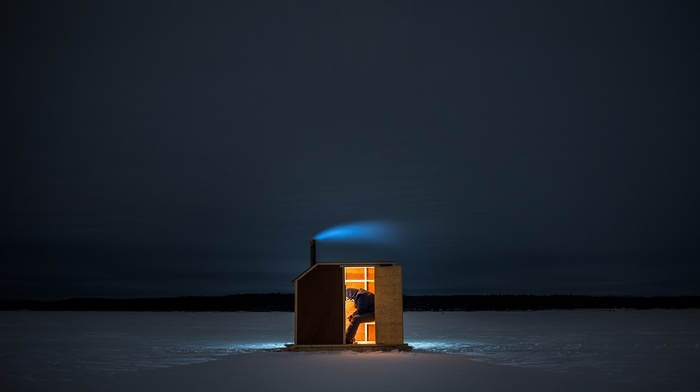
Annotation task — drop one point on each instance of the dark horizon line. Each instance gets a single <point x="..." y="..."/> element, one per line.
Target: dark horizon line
<point x="161" y="297"/>
<point x="284" y="302"/>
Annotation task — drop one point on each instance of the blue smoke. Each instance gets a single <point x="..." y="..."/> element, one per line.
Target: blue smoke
<point x="378" y="232"/>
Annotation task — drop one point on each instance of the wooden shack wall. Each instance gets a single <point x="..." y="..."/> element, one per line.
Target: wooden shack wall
<point x="319" y="307"/>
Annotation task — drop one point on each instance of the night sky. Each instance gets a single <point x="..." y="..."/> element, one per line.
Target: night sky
<point x="163" y="148"/>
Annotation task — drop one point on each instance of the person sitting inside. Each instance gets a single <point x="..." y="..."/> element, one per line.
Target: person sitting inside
<point x="364" y="303"/>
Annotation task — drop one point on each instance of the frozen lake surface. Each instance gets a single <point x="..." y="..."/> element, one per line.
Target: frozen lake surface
<point x="627" y="347"/>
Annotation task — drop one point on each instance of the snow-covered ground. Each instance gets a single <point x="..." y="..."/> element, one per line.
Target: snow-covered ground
<point x="655" y="350"/>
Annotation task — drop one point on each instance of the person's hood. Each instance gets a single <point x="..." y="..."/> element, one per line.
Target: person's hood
<point x="351" y="294"/>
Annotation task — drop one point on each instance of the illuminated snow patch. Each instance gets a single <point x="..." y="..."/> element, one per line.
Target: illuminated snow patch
<point x="444" y="347"/>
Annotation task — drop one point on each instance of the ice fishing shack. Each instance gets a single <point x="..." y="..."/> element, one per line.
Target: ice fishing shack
<point x="321" y="310"/>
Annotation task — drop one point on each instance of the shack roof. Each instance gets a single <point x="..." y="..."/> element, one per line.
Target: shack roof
<point x="347" y="264"/>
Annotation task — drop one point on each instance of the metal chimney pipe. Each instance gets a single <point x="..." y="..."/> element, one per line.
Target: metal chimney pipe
<point x="313" y="252"/>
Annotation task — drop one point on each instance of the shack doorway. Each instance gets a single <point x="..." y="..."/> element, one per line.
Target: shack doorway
<point x="360" y="278"/>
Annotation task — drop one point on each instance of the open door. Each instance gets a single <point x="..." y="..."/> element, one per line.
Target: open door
<point x="388" y="305"/>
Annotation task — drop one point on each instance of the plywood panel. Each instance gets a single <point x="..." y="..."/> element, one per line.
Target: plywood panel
<point x="319" y="306"/>
<point x="354" y="273"/>
<point x="389" y="305"/>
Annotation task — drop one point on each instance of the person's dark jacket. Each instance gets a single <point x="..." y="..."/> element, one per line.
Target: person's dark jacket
<point x="363" y="299"/>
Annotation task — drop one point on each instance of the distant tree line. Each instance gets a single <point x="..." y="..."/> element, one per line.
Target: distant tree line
<point x="543" y="302"/>
<point x="228" y="303"/>
<point x="276" y="302"/>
